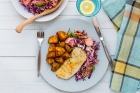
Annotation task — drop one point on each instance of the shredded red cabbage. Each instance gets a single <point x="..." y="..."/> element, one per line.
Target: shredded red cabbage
<point x="79" y="39"/>
<point x="38" y="6"/>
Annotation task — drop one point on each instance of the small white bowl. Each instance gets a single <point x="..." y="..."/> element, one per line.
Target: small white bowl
<point x="24" y="12"/>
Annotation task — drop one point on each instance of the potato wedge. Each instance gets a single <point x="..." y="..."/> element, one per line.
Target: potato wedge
<point x="66" y="55"/>
<point x="61" y="44"/>
<point x="57" y="45"/>
<point x="51" y="55"/>
<point x="51" y="48"/>
<point x="62" y="36"/>
<point x="59" y="51"/>
<point x="50" y="60"/>
<point x="68" y="48"/>
<point x="55" y="66"/>
<point x="59" y="60"/>
<point x="53" y="39"/>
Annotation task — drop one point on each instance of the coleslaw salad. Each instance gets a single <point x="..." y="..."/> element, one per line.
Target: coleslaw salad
<point x="38" y="6"/>
<point x="91" y="47"/>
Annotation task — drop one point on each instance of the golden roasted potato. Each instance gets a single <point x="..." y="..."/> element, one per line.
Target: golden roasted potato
<point x="51" y="55"/>
<point x="50" y="60"/>
<point x="51" y="48"/>
<point x="66" y="55"/>
<point x="68" y="48"/>
<point x="53" y="39"/>
<point x="59" y="60"/>
<point x="62" y="35"/>
<point x="61" y="44"/>
<point x="59" y="51"/>
<point x="57" y="45"/>
<point x="55" y="66"/>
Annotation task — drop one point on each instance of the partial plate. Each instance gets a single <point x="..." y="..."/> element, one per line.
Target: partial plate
<point x="71" y="85"/>
<point x="48" y="17"/>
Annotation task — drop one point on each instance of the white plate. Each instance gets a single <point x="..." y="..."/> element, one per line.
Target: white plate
<point x="71" y="85"/>
<point x="20" y="8"/>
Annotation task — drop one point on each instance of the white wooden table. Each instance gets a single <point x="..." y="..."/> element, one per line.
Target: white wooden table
<point x="18" y="66"/>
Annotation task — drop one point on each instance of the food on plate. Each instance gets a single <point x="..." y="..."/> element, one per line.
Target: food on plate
<point x="53" y="39"/>
<point x="61" y="44"/>
<point x="51" y="48"/>
<point x="72" y="54"/>
<point x="72" y="65"/>
<point x="58" y="50"/>
<point x="51" y="55"/>
<point x="89" y="41"/>
<point x="50" y="60"/>
<point x="55" y="66"/>
<point x="59" y="60"/>
<point x="66" y="55"/>
<point x="68" y="48"/>
<point x="81" y="39"/>
<point x="38" y="6"/>
<point x="62" y="35"/>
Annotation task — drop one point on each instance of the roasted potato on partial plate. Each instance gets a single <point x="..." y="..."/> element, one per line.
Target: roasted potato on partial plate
<point x="61" y="44"/>
<point x="51" y="55"/>
<point x="55" y="66"/>
<point x="66" y="55"/>
<point x="59" y="60"/>
<point x="53" y="39"/>
<point x="59" y="51"/>
<point x="51" y="48"/>
<point x="50" y="60"/>
<point x="62" y="35"/>
<point x="68" y="48"/>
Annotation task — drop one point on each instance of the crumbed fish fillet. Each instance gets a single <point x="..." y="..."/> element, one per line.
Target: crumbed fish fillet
<point x="72" y="65"/>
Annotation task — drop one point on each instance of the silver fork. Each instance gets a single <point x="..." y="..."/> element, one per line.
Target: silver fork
<point x="40" y="37"/>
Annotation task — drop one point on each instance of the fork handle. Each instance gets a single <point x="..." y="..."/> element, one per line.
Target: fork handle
<point x="39" y="62"/>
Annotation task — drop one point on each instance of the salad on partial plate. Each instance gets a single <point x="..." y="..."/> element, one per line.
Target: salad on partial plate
<point x="38" y="6"/>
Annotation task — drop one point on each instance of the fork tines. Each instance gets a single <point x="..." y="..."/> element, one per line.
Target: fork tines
<point x="40" y="34"/>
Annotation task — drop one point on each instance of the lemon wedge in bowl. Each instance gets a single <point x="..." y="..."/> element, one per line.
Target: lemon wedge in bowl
<point x="87" y="7"/>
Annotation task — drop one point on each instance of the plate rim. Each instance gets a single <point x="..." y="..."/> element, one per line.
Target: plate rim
<point x="65" y="2"/>
<point x="81" y="89"/>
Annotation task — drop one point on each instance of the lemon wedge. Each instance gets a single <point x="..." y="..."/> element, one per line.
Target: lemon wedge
<point x="87" y="7"/>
